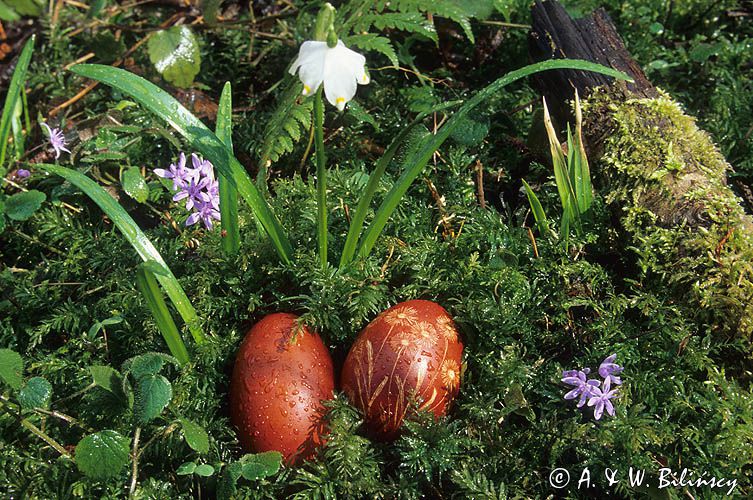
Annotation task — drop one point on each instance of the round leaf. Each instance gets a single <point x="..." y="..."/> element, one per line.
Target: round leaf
<point x="186" y="469"/>
<point x="261" y="465"/>
<point x="195" y="435"/>
<point x="102" y="455"/>
<point x="175" y="54"/>
<point x="134" y="184"/>
<point x="153" y="393"/>
<point x="35" y="394"/>
<point x="11" y="368"/>
<point x="205" y="470"/>
<point x="21" y="206"/>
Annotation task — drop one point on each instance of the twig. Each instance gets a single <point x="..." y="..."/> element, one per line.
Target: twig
<point x="78" y="61"/>
<point x="36" y="430"/>
<point x="480" y="184"/>
<point x="533" y="241"/>
<point x="308" y="148"/>
<point x="134" y="462"/>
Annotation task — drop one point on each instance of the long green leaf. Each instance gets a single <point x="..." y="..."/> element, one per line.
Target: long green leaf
<point x="199" y="136"/>
<point x="321" y="178"/>
<point x="585" y="197"/>
<point x="356" y="224"/>
<point x="14" y="90"/>
<point x="538" y="211"/>
<point x="228" y="195"/>
<point x="146" y="283"/>
<point x="138" y="241"/>
<point x="417" y="161"/>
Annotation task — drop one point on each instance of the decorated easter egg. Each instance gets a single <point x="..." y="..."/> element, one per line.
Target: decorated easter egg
<point x="408" y="357"/>
<point x="282" y="374"/>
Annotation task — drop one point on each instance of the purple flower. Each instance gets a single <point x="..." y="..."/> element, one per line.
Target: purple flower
<point x="583" y="387"/>
<point x="196" y="185"/>
<point x="206" y="213"/>
<point x="57" y="140"/>
<point x="22" y="173"/>
<point x="193" y="193"/>
<point x="600" y="399"/>
<point x="608" y="370"/>
<point x="177" y="172"/>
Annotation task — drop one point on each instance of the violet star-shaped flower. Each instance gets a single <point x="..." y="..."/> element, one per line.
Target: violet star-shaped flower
<point x="583" y="387"/>
<point x="206" y="213"/>
<point x="193" y="193"/>
<point x="600" y="399"/>
<point x="608" y="370"/>
<point x="177" y="172"/>
<point x="57" y="140"/>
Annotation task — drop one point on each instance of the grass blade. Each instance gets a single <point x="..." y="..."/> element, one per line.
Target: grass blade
<point x="356" y="224"/>
<point x="417" y="161"/>
<point x="538" y="211"/>
<point x="231" y="239"/>
<point x="146" y="283"/>
<point x="585" y="197"/>
<point x="14" y="90"/>
<point x="199" y="137"/>
<point x="138" y="241"/>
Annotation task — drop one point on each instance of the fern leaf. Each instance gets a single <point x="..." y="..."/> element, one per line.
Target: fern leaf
<point x="291" y="118"/>
<point x="372" y="41"/>
<point x="412" y="22"/>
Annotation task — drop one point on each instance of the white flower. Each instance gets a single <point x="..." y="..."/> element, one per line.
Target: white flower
<point x="340" y="68"/>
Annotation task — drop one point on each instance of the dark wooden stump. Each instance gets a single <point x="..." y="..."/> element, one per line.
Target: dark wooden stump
<point x="663" y="177"/>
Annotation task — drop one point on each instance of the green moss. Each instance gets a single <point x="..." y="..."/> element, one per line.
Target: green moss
<point x="667" y="181"/>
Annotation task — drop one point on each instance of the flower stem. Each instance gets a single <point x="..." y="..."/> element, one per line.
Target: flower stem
<point x="321" y="177"/>
<point x="228" y="194"/>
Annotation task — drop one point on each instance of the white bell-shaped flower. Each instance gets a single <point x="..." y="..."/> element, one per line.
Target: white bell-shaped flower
<point x="339" y="68"/>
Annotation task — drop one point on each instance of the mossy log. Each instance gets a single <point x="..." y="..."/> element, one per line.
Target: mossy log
<point x="660" y="174"/>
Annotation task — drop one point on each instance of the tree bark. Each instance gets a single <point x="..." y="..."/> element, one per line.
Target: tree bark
<point x="662" y="177"/>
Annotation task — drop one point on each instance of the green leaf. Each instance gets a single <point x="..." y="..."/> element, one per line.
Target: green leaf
<point x="261" y="465"/>
<point x="186" y="469"/>
<point x="175" y="54"/>
<point x="102" y="455"/>
<point x="372" y="41"/>
<point x="107" y="378"/>
<point x="415" y="163"/>
<point x="200" y="138"/>
<point x="7" y="13"/>
<point x="14" y="91"/>
<point x="150" y="363"/>
<point x="134" y="184"/>
<point x="231" y="239"/>
<point x="21" y="206"/>
<point x="35" y="394"/>
<point x="138" y="241"/>
<point x="538" y="211"/>
<point x="153" y="394"/>
<point x="147" y="285"/>
<point x="195" y="435"/>
<point x="11" y="368"/>
<point x="204" y="470"/>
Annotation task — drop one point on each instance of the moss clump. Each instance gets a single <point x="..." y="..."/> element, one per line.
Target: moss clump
<point x="667" y="181"/>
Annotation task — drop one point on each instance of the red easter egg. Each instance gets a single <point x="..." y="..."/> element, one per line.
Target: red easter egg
<point x="410" y="351"/>
<point x="278" y="386"/>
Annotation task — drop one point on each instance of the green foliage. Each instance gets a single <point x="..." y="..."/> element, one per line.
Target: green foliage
<point x="11" y="368"/>
<point x="21" y="206"/>
<point x="13" y="10"/>
<point x="35" y="394"/>
<point x="287" y="125"/>
<point x="134" y="184"/>
<point x="175" y="55"/>
<point x="12" y="97"/>
<point x="195" y="435"/>
<point x="102" y="455"/>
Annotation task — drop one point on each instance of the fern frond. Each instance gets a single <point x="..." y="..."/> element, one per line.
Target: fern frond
<point x="411" y="22"/>
<point x="372" y="41"/>
<point x="443" y="8"/>
<point x="287" y="125"/>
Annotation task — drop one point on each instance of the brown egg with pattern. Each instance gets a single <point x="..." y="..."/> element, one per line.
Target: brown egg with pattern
<point x="408" y="357"/>
<point x="282" y="374"/>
